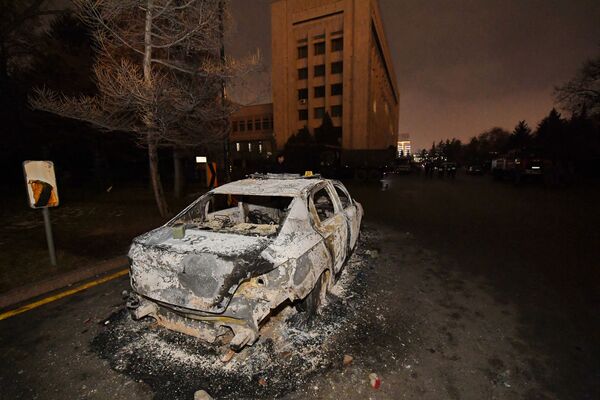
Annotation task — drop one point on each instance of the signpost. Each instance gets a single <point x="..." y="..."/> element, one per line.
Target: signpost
<point x="42" y="192"/>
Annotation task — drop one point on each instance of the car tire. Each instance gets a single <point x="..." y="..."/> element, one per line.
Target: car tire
<point x="312" y="302"/>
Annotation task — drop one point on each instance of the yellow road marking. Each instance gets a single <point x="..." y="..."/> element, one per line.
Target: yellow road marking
<point x="58" y="296"/>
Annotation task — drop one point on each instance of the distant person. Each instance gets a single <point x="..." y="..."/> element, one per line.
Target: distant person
<point x="280" y="166"/>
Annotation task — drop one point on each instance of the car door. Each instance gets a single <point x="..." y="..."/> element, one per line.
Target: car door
<point x="351" y="211"/>
<point x="330" y="222"/>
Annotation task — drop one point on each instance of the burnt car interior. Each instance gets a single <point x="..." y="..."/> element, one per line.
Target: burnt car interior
<point x="323" y="204"/>
<point x="240" y="214"/>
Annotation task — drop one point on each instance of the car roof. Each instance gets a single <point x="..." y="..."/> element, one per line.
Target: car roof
<point x="270" y="186"/>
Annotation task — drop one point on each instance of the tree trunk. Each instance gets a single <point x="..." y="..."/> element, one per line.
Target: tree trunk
<point x="159" y="194"/>
<point x="178" y="180"/>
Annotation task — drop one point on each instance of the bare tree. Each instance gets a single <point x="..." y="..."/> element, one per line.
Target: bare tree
<point x="159" y="73"/>
<point x="582" y="93"/>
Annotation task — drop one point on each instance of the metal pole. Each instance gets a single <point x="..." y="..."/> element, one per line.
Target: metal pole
<point x="49" y="238"/>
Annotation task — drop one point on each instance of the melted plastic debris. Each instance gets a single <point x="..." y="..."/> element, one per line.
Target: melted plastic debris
<point x="289" y="352"/>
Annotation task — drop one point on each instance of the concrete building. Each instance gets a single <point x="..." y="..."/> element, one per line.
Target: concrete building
<point x="404" y="145"/>
<point x="251" y="135"/>
<point x="332" y="56"/>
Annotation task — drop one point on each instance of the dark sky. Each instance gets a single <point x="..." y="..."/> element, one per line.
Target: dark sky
<point x="463" y="66"/>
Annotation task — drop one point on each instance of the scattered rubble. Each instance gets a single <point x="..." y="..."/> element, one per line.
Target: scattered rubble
<point x="202" y="395"/>
<point x="347" y="360"/>
<point x="374" y="380"/>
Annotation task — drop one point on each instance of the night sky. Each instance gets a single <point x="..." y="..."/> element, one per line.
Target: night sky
<point x="463" y="66"/>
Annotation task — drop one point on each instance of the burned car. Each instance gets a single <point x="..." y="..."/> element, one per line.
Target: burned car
<point x="242" y="250"/>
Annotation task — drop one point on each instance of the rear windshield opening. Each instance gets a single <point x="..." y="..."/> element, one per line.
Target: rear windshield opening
<point x="245" y="215"/>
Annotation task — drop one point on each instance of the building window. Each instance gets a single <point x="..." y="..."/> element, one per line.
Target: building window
<point x="337" y="89"/>
<point x="260" y="148"/>
<point x="249" y="147"/>
<point x="319" y="91"/>
<point x="249" y="125"/>
<point x="303" y="115"/>
<point x="302" y="74"/>
<point x="237" y="146"/>
<point x="302" y="51"/>
<point x="337" y="67"/>
<point x="337" y="44"/>
<point x="319" y="48"/>
<point x="336" y="111"/>
<point x="319" y="112"/>
<point x="320" y="70"/>
<point x="257" y="124"/>
<point x="302" y="94"/>
<point x="234" y="126"/>
<point x="267" y="123"/>
<point x="242" y="126"/>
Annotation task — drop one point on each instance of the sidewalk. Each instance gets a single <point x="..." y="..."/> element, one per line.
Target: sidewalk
<point x="23" y="293"/>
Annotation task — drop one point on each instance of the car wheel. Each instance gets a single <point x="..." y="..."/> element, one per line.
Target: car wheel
<point x="311" y="303"/>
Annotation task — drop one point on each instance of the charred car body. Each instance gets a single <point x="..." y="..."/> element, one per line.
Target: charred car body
<point x="242" y="250"/>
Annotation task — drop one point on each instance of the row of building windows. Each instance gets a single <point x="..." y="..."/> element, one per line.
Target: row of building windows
<point x="337" y="44"/>
<point x="337" y="89"/>
<point x="319" y="112"/>
<point x="319" y="70"/>
<point x="252" y="125"/>
<point x="249" y="146"/>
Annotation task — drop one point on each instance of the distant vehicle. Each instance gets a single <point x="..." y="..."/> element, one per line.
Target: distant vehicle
<point x="517" y="166"/>
<point x="474" y="169"/>
<point x="242" y="250"/>
<point x="449" y="169"/>
<point x="399" y="166"/>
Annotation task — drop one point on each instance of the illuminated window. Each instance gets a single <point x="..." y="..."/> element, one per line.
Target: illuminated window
<point x="302" y="115"/>
<point x="260" y="148"/>
<point x="319" y="48"/>
<point x="302" y="51"/>
<point x="249" y="147"/>
<point x="319" y="91"/>
<point x="337" y="89"/>
<point x="337" y="67"/>
<point x="237" y="146"/>
<point x="337" y="44"/>
<point x="302" y="74"/>
<point x="320" y="70"/>
<point x="319" y="112"/>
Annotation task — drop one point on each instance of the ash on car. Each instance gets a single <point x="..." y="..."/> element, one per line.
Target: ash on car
<point x="242" y="250"/>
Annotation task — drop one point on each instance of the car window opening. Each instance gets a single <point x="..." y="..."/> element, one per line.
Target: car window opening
<point x="323" y="205"/>
<point x="238" y="214"/>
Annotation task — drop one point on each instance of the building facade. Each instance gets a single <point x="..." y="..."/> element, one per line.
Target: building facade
<point x="251" y="135"/>
<point x="404" y="149"/>
<point x="331" y="56"/>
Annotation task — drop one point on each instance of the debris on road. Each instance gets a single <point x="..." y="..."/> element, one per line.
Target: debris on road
<point x="347" y="360"/>
<point x="227" y="356"/>
<point x="375" y="380"/>
<point x="202" y="395"/>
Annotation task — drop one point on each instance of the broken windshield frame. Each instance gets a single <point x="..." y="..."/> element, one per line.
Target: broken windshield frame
<point x="249" y="215"/>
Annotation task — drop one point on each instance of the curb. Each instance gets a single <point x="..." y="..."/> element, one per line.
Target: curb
<point x="23" y="293"/>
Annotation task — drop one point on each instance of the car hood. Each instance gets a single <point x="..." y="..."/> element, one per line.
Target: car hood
<point x="200" y="272"/>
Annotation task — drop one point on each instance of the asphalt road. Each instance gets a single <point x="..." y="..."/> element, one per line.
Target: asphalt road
<point x="477" y="290"/>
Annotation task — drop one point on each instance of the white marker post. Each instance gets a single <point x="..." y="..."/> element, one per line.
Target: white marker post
<point x="42" y="192"/>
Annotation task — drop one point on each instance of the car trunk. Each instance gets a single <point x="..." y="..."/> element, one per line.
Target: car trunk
<point x="198" y="272"/>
